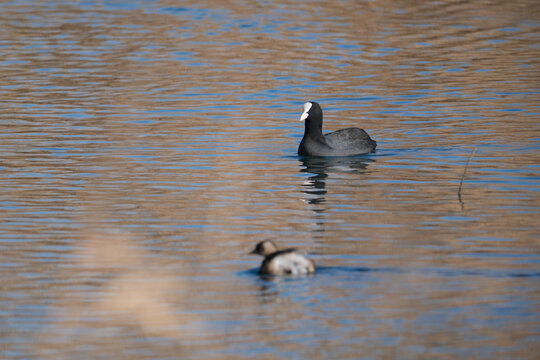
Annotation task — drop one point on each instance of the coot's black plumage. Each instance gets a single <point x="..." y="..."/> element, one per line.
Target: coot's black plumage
<point x="344" y="142"/>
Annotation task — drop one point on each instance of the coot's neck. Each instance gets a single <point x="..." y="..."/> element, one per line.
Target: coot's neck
<point x="314" y="129"/>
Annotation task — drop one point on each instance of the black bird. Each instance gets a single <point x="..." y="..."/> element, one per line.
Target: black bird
<point x="344" y="142"/>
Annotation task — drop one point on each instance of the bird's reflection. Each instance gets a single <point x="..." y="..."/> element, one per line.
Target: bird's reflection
<point x="314" y="186"/>
<point x="320" y="167"/>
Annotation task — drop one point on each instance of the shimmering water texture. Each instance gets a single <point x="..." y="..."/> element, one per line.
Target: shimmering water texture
<point x="147" y="146"/>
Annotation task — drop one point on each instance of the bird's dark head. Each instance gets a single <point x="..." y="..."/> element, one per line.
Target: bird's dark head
<point x="265" y="248"/>
<point x="312" y="116"/>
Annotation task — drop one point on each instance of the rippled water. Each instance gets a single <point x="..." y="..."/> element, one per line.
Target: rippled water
<point x="146" y="146"/>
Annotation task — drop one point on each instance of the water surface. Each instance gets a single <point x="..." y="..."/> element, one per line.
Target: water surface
<point x="147" y="146"/>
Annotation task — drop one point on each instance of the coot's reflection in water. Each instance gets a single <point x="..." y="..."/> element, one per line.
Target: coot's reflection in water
<point x="322" y="168"/>
<point x="315" y="189"/>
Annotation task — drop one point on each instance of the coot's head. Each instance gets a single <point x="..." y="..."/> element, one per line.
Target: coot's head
<point x="265" y="248"/>
<point x="312" y="115"/>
